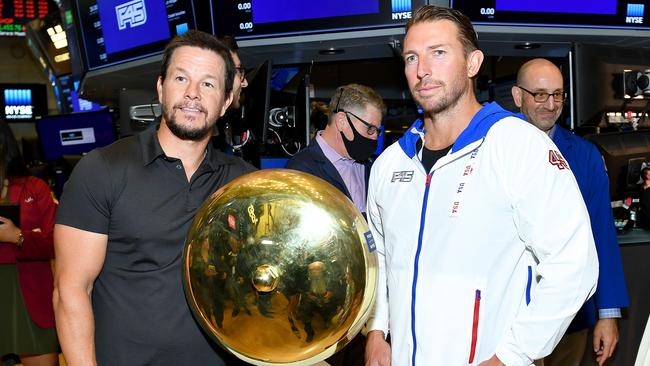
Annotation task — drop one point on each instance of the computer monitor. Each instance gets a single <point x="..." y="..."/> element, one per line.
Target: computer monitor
<point x="74" y="134"/>
<point x="598" y="81"/>
<point x="556" y="13"/>
<point x="114" y="31"/>
<point x="625" y="153"/>
<point x="273" y="18"/>
<point x="22" y="102"/>
<point x="257" y="100"/>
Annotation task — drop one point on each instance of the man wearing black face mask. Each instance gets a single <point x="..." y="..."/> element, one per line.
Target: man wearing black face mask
<point x="340" y="154"/>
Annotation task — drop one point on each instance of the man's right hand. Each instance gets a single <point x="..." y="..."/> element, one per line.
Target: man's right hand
<point x="377" y="349"/>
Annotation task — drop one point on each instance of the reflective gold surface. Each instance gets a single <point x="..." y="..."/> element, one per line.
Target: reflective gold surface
<point x="277" y="268"/>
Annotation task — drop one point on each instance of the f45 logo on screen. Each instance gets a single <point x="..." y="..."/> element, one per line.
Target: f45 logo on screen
<point x="132" y="13"/>
<point x="555" y="158"/>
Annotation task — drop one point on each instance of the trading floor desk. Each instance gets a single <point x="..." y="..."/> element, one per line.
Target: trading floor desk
<point x="635" y="253"/>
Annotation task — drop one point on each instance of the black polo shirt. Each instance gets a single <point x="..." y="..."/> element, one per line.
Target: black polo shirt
<point x="139" y="197"/>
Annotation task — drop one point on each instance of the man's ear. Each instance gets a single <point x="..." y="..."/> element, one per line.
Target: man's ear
<point x="159" y="89"/>
<point x="516" y="95"/>
<point x="340" y="121"/>
<point x="226" y="104"/>
<point x="474" y="62"/>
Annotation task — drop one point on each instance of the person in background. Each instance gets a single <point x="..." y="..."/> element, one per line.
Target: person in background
<point x="540" y="95"/>
<point x="340" y="154"/>
<point x="229" y="124"/>
<point x="239" y="81"/>
<point x="26" y="250"/>
<point x="456" y="205"/>
<point x="124" y="215"/>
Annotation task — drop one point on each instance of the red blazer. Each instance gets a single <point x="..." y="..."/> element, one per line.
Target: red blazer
<point x="37" y="210"/>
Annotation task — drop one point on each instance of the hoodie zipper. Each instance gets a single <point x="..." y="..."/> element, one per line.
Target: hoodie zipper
<point x="417" y="259"/>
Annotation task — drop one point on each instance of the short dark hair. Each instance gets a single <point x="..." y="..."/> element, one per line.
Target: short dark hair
<point x="194" y="38"/>
<point x="229" y="41"/>
<point x="11" y="161"/>
<point x="466" y="33"/>
<point x="354" y="97"/>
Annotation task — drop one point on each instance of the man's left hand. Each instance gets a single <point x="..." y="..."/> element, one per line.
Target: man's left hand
<point x="605" y="339"/>
<point x="493" y="361"/>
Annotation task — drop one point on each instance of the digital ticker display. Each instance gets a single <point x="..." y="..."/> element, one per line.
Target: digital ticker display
<point x="14" y="14"/>
<point x="116" y="31"/>
<point x="270" y="18"/>
<point x="561" y="13"/>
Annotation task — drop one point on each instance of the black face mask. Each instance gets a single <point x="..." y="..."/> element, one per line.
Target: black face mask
<point x="361" y="148"/>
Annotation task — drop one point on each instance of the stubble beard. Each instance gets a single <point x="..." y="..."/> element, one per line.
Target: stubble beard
<point x="436" y="105"/>
<point x="184" y="132"/>
<point x="546" y="123"/>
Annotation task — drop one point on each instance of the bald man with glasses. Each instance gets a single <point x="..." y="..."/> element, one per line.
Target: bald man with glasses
<point x="540" y="95"/>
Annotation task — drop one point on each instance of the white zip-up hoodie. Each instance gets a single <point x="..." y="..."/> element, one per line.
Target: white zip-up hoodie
<point x="456" y="245"/>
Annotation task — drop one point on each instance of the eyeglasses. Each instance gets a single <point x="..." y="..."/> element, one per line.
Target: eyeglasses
<point x="241" y="70"/>
<point x="371" y="129"/>
<point x="542" y="97"/>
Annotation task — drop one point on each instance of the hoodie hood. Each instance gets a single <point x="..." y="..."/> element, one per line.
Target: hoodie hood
<point x="478" y="127"/>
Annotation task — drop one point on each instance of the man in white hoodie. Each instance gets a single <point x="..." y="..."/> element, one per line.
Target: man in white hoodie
<point x="459" y="208"/>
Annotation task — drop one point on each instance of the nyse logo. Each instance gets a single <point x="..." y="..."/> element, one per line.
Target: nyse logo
<point x="18" y="111"/>
<point x="402" y="15"/>
<point x="404" y="176"/>
<point x="400" y="6"/>
<point x="634" y="14"/>
<point x="131" y="14"/>
<point x="18" y="103"/>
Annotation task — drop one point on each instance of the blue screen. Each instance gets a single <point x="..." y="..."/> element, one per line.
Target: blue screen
<point x="117" y="31"/>
<point x="133" y="23"/>
<point x="22" y="102"/>
<point x="269" y="11"/>
<point x="74" y="134"/>
<point x="559" y="6"/>
<point x="271" y="18"/>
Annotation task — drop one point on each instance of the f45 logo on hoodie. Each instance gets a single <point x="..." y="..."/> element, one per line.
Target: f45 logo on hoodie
<point x="555" y="158"/>
<point x="403" y="176"/>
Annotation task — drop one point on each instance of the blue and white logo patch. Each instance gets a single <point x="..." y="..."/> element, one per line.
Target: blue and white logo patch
<point x="370" y="241"/>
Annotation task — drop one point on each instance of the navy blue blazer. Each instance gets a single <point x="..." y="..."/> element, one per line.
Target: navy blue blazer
<point x="312" y="160"/>
<point x="588" y="168"/>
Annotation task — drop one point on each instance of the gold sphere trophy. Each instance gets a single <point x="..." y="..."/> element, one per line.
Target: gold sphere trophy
<point x="279" y="268"/>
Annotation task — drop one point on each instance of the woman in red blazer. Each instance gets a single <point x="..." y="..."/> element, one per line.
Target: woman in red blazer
<point x="26" y="249"/>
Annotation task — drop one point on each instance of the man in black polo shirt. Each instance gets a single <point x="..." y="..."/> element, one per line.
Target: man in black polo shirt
<point x="124" y="215"/>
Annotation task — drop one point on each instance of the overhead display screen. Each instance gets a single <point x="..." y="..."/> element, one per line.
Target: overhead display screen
<point x="116" y="31"/>
<point x="14" y="14"/>
<point x="22" y="102"/>
<point x="560" y="13"/>
<point x="271" y="18"/>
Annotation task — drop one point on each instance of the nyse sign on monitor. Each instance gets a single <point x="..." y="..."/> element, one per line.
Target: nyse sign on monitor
<point x="402" y="15"/>
<point x="634" y="20"/>
<point x="132" y="13"/>
<point x="19" y="111"/>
